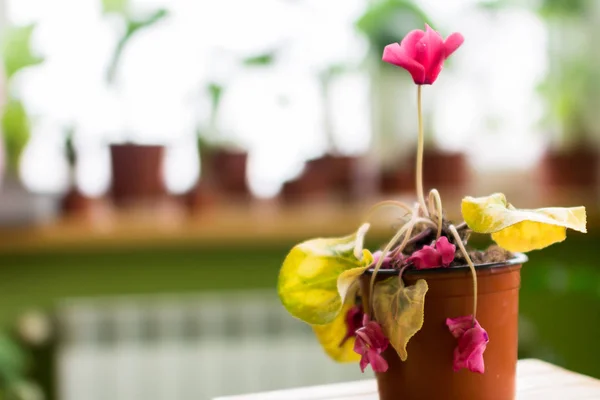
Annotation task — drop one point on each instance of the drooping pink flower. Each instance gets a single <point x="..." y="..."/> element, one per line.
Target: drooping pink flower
<point x="427" y="257"/>
<point x="472" y="341"/>
<point x="446" y="250"/>
<point x="422" y="53"/>
<point x="354" y="318"/>
<point x="431" y="257"/>
<point x="370" y="343"/>
<point x="389" y="262"/>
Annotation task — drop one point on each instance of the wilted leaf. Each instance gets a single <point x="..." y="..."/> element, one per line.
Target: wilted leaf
<point x="399" y="309"/>
<point x="331" y="335"/>
<point x="316" y="276"/>
<point x="521" y="230"/>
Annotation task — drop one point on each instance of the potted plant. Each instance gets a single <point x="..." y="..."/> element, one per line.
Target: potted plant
<point x="74" y="202"/>
<point x="223" y="164"/>
<point x="571" y="94"/>
<point x="435" y="318"/>
<point x="333" y="174"/>
<point x="16" y="127"/>
<point x="136" y="168"/>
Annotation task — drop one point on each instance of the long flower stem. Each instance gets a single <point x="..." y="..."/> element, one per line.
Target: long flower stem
<point x="420" y="146"/>
<point x="436" y="201"/>
<point x="388" y="203"/>
<point x="460" y="244"/>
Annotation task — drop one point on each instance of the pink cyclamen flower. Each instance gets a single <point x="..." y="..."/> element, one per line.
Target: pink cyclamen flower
<point x="472" y="340"/>
<point x="386" y="261"/>
<point x="354" y="318"/>
<point x="431" y="257"/>
<point x="446" y="250"/>
<point x="422" y="53"/>
<point x="370" y="343"/>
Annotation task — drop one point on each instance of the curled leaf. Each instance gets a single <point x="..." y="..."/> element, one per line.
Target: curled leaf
<point x="317" y="275"/>
<point x="331" y="335"/>
<point x="521" y="230"/>
<point x="399" y="309"/>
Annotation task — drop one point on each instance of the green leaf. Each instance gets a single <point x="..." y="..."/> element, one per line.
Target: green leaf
<point x="133" y="27"/>
<point x="399" y="309"/>
<point x="317" y="275"/>
<point x="331" y="335"/>
<point x="115" y="6"/>
<point x="16" y="49"/>
<point x="521" y="230"/>
<point x="260" y="60"/>
<point x="16" y="131"/>
<point x="389" y="21"/>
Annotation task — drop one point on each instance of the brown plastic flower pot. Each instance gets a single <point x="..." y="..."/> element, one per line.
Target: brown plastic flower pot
<point x="136" y="173"/>
<point x="577" y="167"/>
<point x="428" y="371"/>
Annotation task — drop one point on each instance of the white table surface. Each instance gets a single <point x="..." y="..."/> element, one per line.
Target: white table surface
<point x="536" y="380"/>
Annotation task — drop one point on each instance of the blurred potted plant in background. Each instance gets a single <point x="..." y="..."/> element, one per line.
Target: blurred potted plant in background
<point x="19" y="205"/>
<point x="384" y="21"/>
<point x="426" y="293"/>
<point x="572" y="94"/>
<point x="223" y="163"/>
<point x="136" y="168"/>
<point x="74" y="202"/>
<point x="16" y="129"/>
<point x="332" y="175"/>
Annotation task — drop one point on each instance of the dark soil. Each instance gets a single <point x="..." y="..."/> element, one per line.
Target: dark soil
<point x="492" y="254"/>
<point x="427" y="236"/>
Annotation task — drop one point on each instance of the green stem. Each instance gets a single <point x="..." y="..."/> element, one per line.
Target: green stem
<point x="420" y="146"/>
<point x="460" y="244"/>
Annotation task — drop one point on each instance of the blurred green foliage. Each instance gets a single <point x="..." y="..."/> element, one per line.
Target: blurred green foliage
<point x="16" y="131"/>
<point x="16" y="49"/>
<point x="388" y="21"/>
<point x="115" y="6"/>
<point x="17" y="55"/>
<point x="14" y="364"/>
<point x="133" y="25"/>
<point x="260" y="60"/>
<point x="563" y="8"/>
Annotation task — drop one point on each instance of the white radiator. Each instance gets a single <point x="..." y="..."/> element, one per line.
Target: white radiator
<point x="186" y="347"/>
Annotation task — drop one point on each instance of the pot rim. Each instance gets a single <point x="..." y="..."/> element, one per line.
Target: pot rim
<point x="517" y="259"/>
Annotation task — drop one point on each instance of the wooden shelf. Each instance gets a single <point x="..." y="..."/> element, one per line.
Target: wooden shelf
<point x="247" y="223"/>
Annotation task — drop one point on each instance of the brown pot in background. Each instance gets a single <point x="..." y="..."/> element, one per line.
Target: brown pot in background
<point x="398" y="180"/>
<point x="331" y="176"/>
<point x="200" y="198"/>
<point x="137" y="173"/>
<point x="76" y="203"/>
<point x="225" y="170"/>
<point x="573" y="168"/>
<point x="441" y="170"/>
<point x="428" y="373"/>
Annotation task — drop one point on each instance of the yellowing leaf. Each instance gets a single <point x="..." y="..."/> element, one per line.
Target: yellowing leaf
<point x="331" y="335"/>
<point x="521" y="230"/>
<point x="399" y="310"/>
<point x="317" y="274"/>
